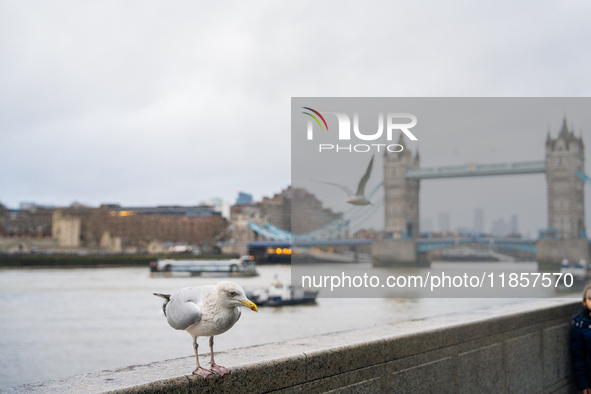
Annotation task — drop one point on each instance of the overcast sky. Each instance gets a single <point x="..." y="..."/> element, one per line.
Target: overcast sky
<point x="154" y="103"/>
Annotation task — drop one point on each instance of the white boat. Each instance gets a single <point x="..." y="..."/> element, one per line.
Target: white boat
<point x="565" y="267"/>
<point x="280" y="294"/>
<point x="574" y="276"/>
<point x="244" y="266"/>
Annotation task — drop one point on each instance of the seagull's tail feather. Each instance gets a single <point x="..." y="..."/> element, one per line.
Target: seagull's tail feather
<point x="166" y="299"/>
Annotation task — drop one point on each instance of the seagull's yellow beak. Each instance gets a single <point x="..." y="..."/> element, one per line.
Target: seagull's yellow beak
<point x="249" y="304"/>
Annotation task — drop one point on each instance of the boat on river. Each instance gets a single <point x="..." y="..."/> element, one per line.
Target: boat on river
<point x="280" y="294"/>
<point x="244" y="266"/>
<point x="574" y="275"/>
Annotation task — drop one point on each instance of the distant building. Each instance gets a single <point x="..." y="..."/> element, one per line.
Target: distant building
<point x="513" y="225"/>
<point x="478" y="221"/>
<point x="500" y="228"/>
<point x="243" y="198"/>
<point x="444" y="222"/>
<point x="66" y="229"/>
<point x="426" y="224"/>
<point x="138" y="227"/>
<point x="294" y="210"/>
<point x="165" y="210"/>
<point x="29" y="221"/>
<point x="111" y="227"/>
<point x="220" y="206"/>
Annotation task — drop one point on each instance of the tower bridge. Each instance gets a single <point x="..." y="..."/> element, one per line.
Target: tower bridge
<point x="563" y="165"/>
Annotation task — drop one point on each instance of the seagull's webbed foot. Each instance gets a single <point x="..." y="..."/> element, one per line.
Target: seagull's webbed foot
<point x="202" y="372"/>
<point x="214" y="367"/>
<point x="219" y="369"/>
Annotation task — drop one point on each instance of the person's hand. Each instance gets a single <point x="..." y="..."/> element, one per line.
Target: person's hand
<point x="587" y="391"/>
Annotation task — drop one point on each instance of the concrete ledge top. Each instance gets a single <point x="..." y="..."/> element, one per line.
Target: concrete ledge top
<point x="284" y="364"/>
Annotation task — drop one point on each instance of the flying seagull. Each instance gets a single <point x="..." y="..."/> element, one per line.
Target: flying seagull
<point x="359" y="197"/>
<point x="205" y="311"/>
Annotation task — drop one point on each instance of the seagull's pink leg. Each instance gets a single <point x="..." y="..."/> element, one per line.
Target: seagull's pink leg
<point x="214" y="367"/>
<point x="199" y="371"/>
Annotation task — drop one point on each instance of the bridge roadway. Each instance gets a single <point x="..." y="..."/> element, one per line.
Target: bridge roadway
<point x="311" y="242"/>
<point x="426" y="244"/>
<point x="423" y="244"/>
<point x="473" y="169"/>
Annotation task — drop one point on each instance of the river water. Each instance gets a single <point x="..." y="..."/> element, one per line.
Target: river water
<point x="62" y="322"/>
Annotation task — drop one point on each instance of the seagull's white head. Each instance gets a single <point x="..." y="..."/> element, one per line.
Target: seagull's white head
<point x="232" y="295"/>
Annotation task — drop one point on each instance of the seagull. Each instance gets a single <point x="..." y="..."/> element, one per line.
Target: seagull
<point x="205" y="311"/>
<point x="359" y="197"/>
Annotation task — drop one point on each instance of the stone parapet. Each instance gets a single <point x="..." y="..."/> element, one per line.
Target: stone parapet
<point x="521" y="347"/>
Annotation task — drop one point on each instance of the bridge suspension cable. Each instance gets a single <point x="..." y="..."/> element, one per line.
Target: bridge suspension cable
<point x="337" y="228"/>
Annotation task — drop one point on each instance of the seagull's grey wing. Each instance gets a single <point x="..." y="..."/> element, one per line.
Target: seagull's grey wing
<point x="363" y="181"/>
<point x="343" y="187"/>
<point x="184" y="308"/>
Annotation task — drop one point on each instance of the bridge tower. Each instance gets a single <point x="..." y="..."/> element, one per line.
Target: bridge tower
<point x="401" y="194"/>
<point x="566" y="194"/>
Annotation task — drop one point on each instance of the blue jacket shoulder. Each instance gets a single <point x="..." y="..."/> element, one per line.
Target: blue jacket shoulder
<point x="580" y="318"/>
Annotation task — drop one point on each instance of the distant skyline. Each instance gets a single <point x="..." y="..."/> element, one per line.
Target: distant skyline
<point x="499" y="226"/>
<point x="148" y="103"/>
<point x="478" y="226"/>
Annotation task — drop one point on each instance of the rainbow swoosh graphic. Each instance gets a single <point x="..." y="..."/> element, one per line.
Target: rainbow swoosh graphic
<point x="315" y="118"/>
